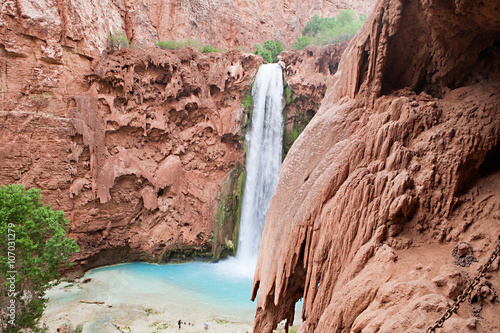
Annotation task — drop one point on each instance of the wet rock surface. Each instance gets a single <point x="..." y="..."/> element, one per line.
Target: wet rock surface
<point x="307" y="73"/>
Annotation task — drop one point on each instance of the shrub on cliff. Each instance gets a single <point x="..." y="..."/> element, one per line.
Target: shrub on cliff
<point x="33" y="249"/>
<point x="173" y="44"/>
<point x="330" y="30"/>
<point x="118" y="40"/>
<point x="270" y="51"/>
<point x="210" y="49"/>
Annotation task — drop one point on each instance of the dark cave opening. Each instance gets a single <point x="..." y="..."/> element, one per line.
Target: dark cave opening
<point x="469" y="175"/>
<point x="491" y="163"/>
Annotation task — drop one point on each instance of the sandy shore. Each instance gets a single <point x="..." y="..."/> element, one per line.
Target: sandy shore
<point x="144" y="298"/>
<point x="64" y="307"/>
<point x="137" y="315"/>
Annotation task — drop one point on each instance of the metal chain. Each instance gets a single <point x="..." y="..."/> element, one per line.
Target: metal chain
<point x="466" y="260"/>
<point x="467" y="291"/>
<point x="478" y="298"/>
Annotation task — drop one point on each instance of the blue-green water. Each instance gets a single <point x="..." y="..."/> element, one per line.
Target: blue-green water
<point x="145" y="296"/>
<point x="203" y="283"/>
<point x="194" y="292"/>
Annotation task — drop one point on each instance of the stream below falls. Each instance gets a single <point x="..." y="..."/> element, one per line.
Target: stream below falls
<point x="141" y="297"/>
<point x="153" y="298"/>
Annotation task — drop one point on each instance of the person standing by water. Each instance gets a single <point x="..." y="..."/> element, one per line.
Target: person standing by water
<point x="206" y="325"/>
<point x="179" y="323"/>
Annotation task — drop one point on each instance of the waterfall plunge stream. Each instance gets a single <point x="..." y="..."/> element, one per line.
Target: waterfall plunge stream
<point x="264" y="140"/>
<point x="147" y="297"/>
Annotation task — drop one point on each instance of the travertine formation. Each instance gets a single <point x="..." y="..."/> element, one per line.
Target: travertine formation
<point x="135" y="153"/>
<point x="142" y="147"/>
<point x="399" y="165"/>
<point x="307" y="73"/>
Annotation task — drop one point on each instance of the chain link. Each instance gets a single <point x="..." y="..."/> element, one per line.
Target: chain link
<point x="466" y="259"/>
<point x="478" y="298"/>
<point x="467" y="291"/>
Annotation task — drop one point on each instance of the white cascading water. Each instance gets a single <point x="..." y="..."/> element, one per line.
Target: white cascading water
<point x="197" y="290"/>
<point x="264" y="142"/>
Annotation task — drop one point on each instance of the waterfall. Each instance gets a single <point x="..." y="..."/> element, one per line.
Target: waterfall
<point x="264" y="141"/>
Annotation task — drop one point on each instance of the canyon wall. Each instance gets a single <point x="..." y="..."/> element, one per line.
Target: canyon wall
<point x="242" y="23"/>
<point x="83" y="27"/>
<point x="395" y="175"/>
<point x="142" y="148"/>
<point x="307" y="74"/>
<point x="135" y="148"/>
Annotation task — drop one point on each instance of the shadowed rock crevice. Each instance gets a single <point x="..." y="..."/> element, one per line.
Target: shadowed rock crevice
<point x="418" y="54"/>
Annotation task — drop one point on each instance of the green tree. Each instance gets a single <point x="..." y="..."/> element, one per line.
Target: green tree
<point x="329" y="30"/>
<point x="270" y="51"/>
<point x="346" y="17"/>
<point x="118" y="40"/>
<point x="313" y="26"/>
<point x="33" y="250"/>
<point x="265" y="54"/>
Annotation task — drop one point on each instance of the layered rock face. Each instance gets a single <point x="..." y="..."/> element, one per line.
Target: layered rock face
<point x="84" y="26"/>
<point x="399" y="166"/>
<point x="236" y="23"/>
<point x="307" y="73"/>
<point x="136" y="152"/>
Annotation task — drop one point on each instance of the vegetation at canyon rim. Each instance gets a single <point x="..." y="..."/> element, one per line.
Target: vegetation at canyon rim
<point x="270" y="51"/>
<point x="330" y="30"/>
<point x="33" y="250"/>
<point x="317" y="31"/>
<point x="172" y="44"/>
<point x="119" y="40"/>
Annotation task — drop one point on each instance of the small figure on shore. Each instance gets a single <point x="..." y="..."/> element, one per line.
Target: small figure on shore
<point x="179" y="323"/>
<point x="206" y="325"/>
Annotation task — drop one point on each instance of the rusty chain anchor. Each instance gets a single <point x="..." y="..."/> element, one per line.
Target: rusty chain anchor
<point x="467" y="291"/>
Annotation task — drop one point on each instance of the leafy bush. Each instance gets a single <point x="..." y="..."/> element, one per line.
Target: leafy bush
<point x="330" y="30"/>
<point x="270" y="51"/>
<point x="118" y="40"/>
<point x="174" y="44"/>
<point x="209" y="49"/>
<point x="33" y="249"/>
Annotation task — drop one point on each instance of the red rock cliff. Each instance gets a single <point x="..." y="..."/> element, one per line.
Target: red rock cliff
<point x="135" y="152"/>
<point x="399" y="166"/>
<point x="236" y="23"/>
<point x="84" y="26"/>
<point x="141" y="148"/>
